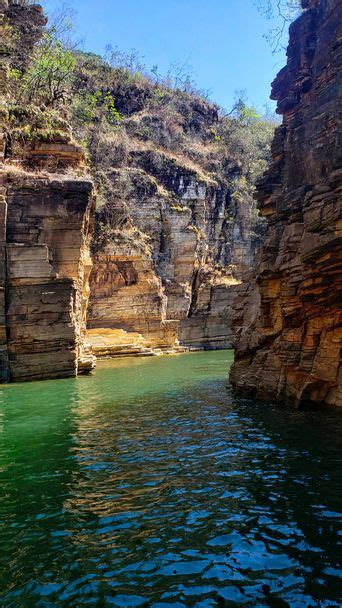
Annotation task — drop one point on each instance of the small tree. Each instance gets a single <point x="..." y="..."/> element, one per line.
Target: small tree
<point x="49" y="76"/>
<point x="288" y="9"/>
<point x="283" y="11"/>
<point x="131" y="60"/>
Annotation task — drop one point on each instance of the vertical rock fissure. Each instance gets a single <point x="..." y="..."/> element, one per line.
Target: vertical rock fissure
<point x="194" y="294"/>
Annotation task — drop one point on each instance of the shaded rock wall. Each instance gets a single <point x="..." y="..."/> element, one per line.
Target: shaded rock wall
<point x="289" y="346"/>
<point x="4" y="364"/>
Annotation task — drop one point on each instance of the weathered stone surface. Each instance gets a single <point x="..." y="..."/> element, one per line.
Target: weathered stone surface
<point x="289" y="348"/>
<point x="208" y="323"/>
<point x="127" y="295"/>
<point x="45" y="276"/>
<point x="179" y="286"/>
<point x="4" y="366"/>
<point x="28" y="19"/>
<point x="182" y="209"/>
<point x="54" y="155"/>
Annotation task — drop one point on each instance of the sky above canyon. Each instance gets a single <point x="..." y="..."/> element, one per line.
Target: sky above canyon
<point x="222" y="42"/>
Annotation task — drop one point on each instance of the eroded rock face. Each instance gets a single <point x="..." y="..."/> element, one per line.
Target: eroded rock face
<point x="178" y="289"/>
<point x="128" y="300"/>
<point x="176" y="177"/>
<point x="45" y="221"/>
<point x="44" y="273"/>
<point x="289" y="348"/>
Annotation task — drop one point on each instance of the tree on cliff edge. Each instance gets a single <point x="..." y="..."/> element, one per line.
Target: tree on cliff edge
<point x="282" y="12"/>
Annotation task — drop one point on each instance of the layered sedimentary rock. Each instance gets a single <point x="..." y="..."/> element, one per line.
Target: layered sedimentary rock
<point x="173" y="232"/>
<point x="178" y="288"/>
<point x="45" y="269"/>
<point x="175" y="176"/>
<point x="3" y="331"/>
<point x="128" y="306"/>
<point x="45" y="218"/>
<point x="289" y="346"/>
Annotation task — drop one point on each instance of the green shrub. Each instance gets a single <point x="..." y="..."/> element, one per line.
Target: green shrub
<point x="49" y="77"/>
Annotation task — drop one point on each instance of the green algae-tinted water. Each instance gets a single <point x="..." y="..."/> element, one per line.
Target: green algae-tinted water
<point x="150" y="485"/>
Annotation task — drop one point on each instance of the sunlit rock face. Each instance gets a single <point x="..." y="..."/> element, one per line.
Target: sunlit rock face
<point x="45" y="220"/>
<point x="45" y="232"/>
<point x="178" y="290"/>
<point x="127" y="315"/>
<point x="289" y="348"/>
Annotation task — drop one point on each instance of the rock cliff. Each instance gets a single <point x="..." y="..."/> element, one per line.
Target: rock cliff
<point x="176" y="223"/>
<point x="45" y="210"/>
<point x="177" y="288"/>
<point x="289" y="344"/>
<point x="175" y="226"/>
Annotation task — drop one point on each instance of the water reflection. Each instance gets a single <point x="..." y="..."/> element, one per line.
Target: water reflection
<point x="150" y="485"/>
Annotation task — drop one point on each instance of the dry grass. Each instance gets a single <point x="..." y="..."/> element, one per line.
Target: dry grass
<point x="18" y="169"/>
<point x="180" y="159"/>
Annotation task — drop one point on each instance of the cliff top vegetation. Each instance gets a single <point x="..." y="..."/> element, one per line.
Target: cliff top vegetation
<point x="126" y="118"/>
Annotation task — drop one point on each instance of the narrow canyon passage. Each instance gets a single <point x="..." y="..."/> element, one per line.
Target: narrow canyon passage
<point x="147" y="227"/>
<point x="152" y="486"/>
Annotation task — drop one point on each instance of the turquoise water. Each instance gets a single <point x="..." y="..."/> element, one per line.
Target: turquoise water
<point x="150" y="485"/>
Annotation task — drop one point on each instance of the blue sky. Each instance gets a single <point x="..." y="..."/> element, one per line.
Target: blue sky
<point x="221" y="39"/>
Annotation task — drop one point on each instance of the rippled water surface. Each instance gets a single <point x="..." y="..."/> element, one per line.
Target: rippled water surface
<point x="150" y="485"/>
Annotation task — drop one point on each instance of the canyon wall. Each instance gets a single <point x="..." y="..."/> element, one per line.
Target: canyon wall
<point x="47" y="264"/>
<point x="176" y="224"/>
<point x="289" y="345"/>
<point x="127" y="314"/>
<point x="177" y="288"/>
<point x="45" y="212"/>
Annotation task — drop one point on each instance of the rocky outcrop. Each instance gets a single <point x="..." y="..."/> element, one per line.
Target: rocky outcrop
<point x="128" y="306"/>
<point x="45" y="270"/>
<point x="179" y="287"/>
<point x="45" y="219"/>
<point x="208" y="325"/>
<point x="175" y="178"/>
<point x="289" y="349"/>
<point x="175" y="221"/>
<point x="27" y="21"/>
